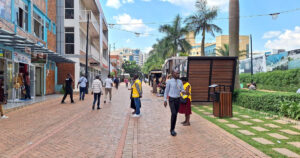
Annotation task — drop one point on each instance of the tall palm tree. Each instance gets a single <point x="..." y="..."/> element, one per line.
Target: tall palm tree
<point x="201" y="21"/>
<point x="175" y="39"/>
<point x="234" y="28"/>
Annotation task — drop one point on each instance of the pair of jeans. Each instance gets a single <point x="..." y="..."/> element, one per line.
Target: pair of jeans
<point x="70" y="92"/>
<point x="174" y="104"/>
<point x="81" y="93"/>
<point x="96" y="98"/>
<point x="137" y="102"/>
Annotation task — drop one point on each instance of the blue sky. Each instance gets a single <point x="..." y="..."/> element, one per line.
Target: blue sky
<point x="284" y="32"/>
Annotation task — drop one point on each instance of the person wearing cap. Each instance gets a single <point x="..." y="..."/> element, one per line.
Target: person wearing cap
<point x="174" y="88"/>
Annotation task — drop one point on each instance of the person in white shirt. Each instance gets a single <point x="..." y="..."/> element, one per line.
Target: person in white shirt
<point x="97" y="91"/>
<point x="82" y="89"/>
<point x="108" y="88"/>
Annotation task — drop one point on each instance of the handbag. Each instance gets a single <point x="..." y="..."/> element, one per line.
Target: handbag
<point x="182" y="100"/>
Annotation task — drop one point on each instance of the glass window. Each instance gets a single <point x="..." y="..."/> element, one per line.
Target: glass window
<point x="22" y="16"/>
<point x="69" y="9"/>
<point x="54" y="28"/>
<point x="38" y="24"/>
<point x="69" y="40"/>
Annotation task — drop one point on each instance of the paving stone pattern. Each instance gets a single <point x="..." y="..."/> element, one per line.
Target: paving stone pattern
<point x="272" y="125"/>
<point x="290" y="132"/>
<point x="263" y="141"/>
<point x="286" y="152"/>
<point x="245" y="123"/>
<point x="232" y="126"/>
<point x="50" y="129"/>
<point x="278" y="136"/>
<point x="260" y="129"/>
<point x="281" y="122"/>
<point x="246" y="132"/>
<point x="257" y="120"/>
<point x="296" y="144"/>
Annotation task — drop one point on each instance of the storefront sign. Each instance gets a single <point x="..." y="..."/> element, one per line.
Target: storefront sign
<point x="21" y="58"/>
<point x="39" y="58"/>
<point x="27" y="50"/>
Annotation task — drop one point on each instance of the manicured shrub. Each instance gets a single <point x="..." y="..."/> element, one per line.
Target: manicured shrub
<point x="279" y="80"/>
<point x="284" y="103"/>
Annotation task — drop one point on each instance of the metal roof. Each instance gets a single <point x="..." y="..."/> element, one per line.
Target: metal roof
<point x="20" y="43"/>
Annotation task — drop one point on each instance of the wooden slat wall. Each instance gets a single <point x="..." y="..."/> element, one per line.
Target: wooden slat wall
<point x="199" y="76"/>
<point x="199" y="79"/>
<point x="50" y="82"/>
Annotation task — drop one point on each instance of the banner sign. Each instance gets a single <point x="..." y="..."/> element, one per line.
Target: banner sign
<point x="21" y="58"/>
<point x="39" y="58"/>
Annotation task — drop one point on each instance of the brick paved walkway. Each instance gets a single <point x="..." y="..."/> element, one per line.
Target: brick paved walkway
<point x="50" y="129"/>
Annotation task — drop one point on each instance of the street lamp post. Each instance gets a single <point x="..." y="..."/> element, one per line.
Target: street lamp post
<point x="251" y="59"/>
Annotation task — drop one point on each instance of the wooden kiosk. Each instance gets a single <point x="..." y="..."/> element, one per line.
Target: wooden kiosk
<point x="212" y="80"/>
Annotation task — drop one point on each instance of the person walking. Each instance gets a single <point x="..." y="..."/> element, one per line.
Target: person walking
<point x="82" y="88"/>
<point x="186" y="108"/>
<point x="108" y="88"/>
<point x="2" y="100"/>
<point x="126" y="82"/>
<point x="27" y="85"/>
<point x="68" y="88"/>
<point x="117" y="81"/>
<point x="173" y="89"/>
<point x="136" y="95"/>
<point x="97" y="91"/>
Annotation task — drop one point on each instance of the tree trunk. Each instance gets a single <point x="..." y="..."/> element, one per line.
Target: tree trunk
<point x="202" y="53"/>
<point x="234" y="28"/>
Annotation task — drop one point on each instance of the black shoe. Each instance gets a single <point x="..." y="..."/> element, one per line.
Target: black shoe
<point x="173" y="133"/>
<point x="63" y="102"/>
<point x="104" y="101"/>
<point x="98" y="108"/>
<point x="93" y="107"/>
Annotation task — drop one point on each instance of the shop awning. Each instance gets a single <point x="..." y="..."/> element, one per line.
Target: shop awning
<point x="20" y="43"/>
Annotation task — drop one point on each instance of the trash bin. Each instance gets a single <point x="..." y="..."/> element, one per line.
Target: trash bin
<point x="222" y="102"/>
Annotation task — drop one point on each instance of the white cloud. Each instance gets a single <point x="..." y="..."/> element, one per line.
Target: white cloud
<point x="146" y="0"/>
<point x="128" y="40"/>
<point x="147" y="49"/>
<point x="131" y="24"/>
<point x="113" y="3"/>
<point x="271" y="34"/>
<point x="289" y="40"/>
<point x="190" y="4"/>
<point x="127" y="1"/>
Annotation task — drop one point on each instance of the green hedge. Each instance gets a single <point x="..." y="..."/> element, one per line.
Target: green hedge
<point x="265" y="101"/>
<point x="280" y="80"/>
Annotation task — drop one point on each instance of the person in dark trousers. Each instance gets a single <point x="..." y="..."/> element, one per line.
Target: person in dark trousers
<point x="27" y="86"/>
<point x="173" y="89"/>
<point x="3" y="100"/>
<point x="82" y="88"/>
<point x="117" y="81"/>
<point x="97" y="91"/>
<point x="68" y="88"/>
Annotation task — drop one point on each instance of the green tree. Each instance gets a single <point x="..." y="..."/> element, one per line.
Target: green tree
<point x="131" y="67"/>
<point x="175" y="40"/>
<point x="201" y="21"/>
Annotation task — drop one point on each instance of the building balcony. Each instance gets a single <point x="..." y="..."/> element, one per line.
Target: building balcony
<point x="94" y="24"/>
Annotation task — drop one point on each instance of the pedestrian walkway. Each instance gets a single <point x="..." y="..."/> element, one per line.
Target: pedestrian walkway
<point x="51" y="129"/>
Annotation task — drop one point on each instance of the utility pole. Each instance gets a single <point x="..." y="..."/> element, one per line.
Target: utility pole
<point x="251" y="59"/>
<point x="87" y="52"/>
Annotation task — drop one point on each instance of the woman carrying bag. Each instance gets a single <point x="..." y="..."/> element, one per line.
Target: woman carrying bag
<point x="185" y="108"/>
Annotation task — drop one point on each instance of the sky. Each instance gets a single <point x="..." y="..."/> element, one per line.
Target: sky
<point x="145" y="17"/>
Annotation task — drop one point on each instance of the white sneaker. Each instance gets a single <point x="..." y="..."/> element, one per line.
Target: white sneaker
<point x="135" y="115"/>
<point x="4" y="117"/>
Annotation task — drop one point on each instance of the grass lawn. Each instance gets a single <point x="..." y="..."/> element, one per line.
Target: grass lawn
<point x="260" y="120"/>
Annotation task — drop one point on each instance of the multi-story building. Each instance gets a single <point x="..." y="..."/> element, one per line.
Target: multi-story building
<point x="128" y="54"/>
<point x="28" y="46"/>
<point x="73" y="43"/>
<point x="211" y="48"/>
<point x="141" y="59"/>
